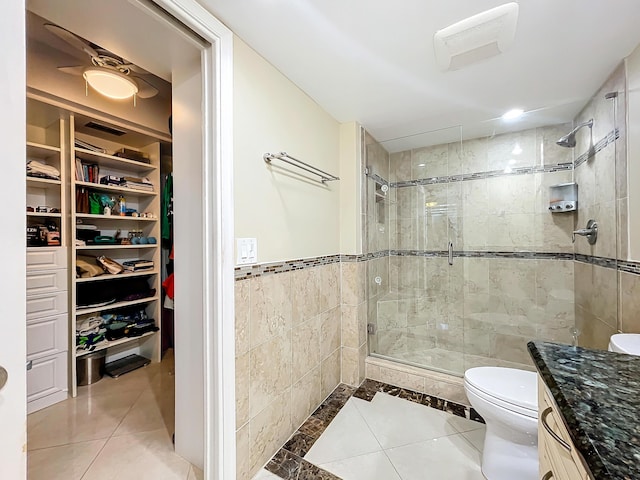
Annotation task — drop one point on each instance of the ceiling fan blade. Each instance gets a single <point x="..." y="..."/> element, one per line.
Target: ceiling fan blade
<point x="71" y="38"/>
<point x="73" y="70"/>
<point x="145" y="89"/>
<point x="135" y="68"/>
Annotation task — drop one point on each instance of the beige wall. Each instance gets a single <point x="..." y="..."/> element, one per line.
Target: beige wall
<point x="291" y="217"/>
<point x="350" y="189"/>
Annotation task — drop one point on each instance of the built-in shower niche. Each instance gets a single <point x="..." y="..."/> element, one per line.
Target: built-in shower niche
<point x="563" y="197"/>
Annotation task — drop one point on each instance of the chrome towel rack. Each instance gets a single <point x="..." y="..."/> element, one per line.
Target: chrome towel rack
<point x="285" y="157"/>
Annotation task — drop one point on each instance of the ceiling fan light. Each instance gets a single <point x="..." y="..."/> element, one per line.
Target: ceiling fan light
<point x="110" y="83"/>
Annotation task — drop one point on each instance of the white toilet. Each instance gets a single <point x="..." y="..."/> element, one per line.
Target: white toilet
<point x="628" y="343"/>
<point x="507" y="399"/>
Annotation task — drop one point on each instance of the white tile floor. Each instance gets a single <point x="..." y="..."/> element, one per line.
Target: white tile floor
<point x="115" y="429"/>
<point x="394" y="439"/>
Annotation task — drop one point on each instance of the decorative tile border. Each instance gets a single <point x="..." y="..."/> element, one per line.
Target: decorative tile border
<point x="257" y="270"/>
<point x="369" y="388"/>
<point x="251" y="271"/>
<point x="289" y="463"/>
<point x="629" y="267"/>
<point x="483" y="254"/>
<point x="560" y="167"/>
<point x="611" y="137"/>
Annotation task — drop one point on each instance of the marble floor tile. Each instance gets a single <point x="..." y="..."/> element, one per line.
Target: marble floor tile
<point x="67" y="462"/>
<point x="115" y="429"/>
<point x="476" y="438"/>
<point x="79" y="419"/>
<point x="265" y="475"/>
<point x="370" y="466"/>
<point x="395" y="421"/>
<point x="195" y="474"/>
<point x="145" y="415"/>
<point x="346" y="436"/>
<point x="446" y="457"/>
<point x="139" y="456"/>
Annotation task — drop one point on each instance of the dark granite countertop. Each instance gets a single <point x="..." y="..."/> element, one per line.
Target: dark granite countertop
<point x="598" y="394"/>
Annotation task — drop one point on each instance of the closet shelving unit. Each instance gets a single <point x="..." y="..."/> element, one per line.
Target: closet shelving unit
<point x="147" y="345"/>
<point x="47" y="269"/>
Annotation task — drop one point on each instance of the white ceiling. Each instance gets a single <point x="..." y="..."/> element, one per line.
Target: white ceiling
<point x="372" y="60"/>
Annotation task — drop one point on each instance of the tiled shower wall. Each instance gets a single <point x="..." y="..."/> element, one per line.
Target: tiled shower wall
<point x="300" y="331"/>
<point x="512" y="277"/>
<point x="607" y="286"/>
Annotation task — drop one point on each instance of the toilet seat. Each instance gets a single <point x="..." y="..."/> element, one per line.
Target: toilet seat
<point x="509" y="388"/>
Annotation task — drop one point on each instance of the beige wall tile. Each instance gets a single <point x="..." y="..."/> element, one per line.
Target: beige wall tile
<point x="353" y="283"/>
<point x="351" y="325"/>
<point x="243" y="385"/>
<point x="363" y="352"/>
<point x="402" y="379"/>
<point x="629" y="302"/>
<point x="305" y="348"/>
<point x="511" y="232"/>
<point x="242" y="312"/>
<point x="243" y="448"/>
<point x="329" y="332"/>
<point x="593" y="332"/>
<point x="515" y="149"/>
<point x="329" y="287"/>
<point x="330" y="373"/>
<point x="270" y="371"/>
<point x="305" y="396"/>
<point x="268" y="431"/>
<point x="400" y="166"/>
<point x="513" y="194"/>
<point x="270" y="307"/>
<point x="547" y="151"/>
<point x="429" y="162"/>
<point x="604" y="303"/>
<point x="468" y="156"/>
<point x="350" y="366"/>
<point x="305" y="289"/>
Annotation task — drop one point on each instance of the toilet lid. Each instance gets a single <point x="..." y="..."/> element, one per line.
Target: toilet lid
<point x="510" y="385"/>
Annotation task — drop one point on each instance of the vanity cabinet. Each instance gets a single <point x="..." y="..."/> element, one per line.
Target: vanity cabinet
<point x="559" y="459"/>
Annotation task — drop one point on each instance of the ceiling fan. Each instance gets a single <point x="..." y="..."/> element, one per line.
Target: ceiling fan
<point x="107" y="73"/>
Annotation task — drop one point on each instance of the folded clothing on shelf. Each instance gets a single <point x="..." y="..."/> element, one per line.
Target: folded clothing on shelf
<point x="42" y="170"/>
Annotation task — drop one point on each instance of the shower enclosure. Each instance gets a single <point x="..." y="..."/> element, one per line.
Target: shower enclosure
<point x="466" y="261"/>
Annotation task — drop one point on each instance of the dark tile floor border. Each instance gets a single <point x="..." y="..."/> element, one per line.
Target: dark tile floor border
<point x="289" y="463"/>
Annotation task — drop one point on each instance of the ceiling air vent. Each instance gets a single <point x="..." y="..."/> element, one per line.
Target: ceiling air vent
<point x="476" y="38"/>
<point x="105" y="128"/>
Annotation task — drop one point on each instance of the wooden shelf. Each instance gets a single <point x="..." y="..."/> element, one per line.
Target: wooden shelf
<point x="116" y="247"/>
<point x="125" y="274"/>
<point x="112" y="343"/>
<point x="42" y="182"/>
<point x="114" y="306"/>
<point x="40" y="214"/>
<point x="106" y="160"/>
<point x="40" y="150"/>
<point x="115" y="217"/>
<point x="109" y="188"/>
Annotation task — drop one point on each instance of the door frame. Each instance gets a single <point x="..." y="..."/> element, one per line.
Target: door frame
<point x="218" y="287"/>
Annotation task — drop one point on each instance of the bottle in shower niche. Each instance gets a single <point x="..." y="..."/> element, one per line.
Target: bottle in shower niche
<point x="122" y="205"/>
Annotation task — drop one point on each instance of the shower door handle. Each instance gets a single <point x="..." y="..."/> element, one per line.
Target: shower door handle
<point x="450" y="253"/>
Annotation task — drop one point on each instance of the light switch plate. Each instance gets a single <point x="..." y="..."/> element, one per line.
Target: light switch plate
<point x="247" y="251"/>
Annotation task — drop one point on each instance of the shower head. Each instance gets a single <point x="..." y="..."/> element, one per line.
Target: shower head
<point x="569" y="140"/>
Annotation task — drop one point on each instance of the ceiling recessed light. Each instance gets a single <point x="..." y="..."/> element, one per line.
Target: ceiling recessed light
<point x="422" y="164"/>
<point x="513" y="114"/>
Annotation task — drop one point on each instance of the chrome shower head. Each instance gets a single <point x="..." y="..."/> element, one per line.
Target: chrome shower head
<point x="569" y="140"/>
